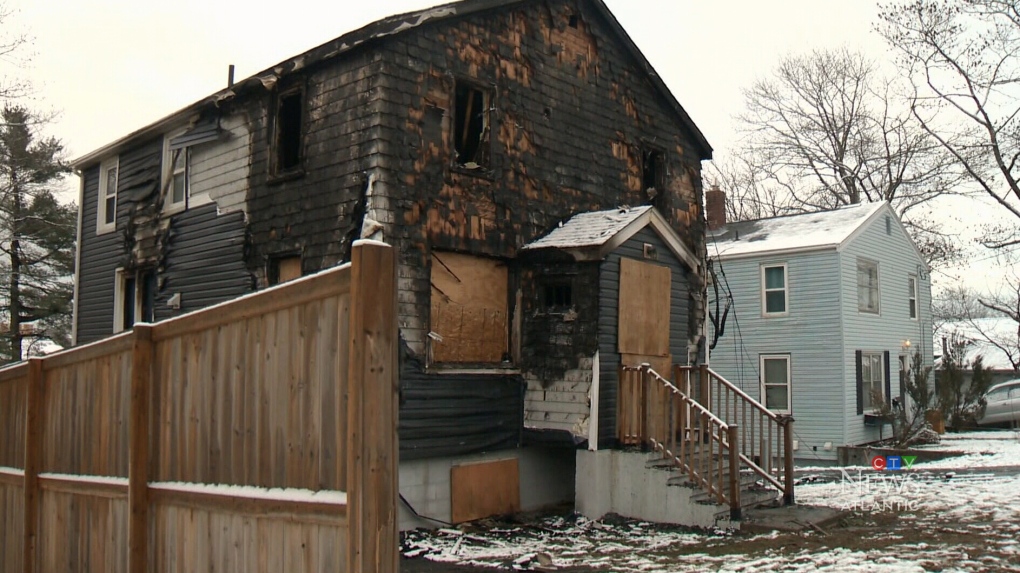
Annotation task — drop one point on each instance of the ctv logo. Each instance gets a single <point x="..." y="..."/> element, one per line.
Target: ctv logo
<point x="894" y="463"/>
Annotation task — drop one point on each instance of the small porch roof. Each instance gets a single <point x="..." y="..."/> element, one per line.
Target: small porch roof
<point x="593" y="235"/>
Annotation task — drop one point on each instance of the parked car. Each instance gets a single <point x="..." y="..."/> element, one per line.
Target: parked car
<point x="1003" y="404"/>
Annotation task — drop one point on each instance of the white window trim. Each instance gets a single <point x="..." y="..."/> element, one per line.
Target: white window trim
<point x="913" y="296"/>
<point x="878" y="286"/>
<point x="789" y="375"/>
<point x="169" y="206"/>
<point x="102" y="227"/>
<point x="866" y="355"/>
<point x="786" y="291"/>
<point x="121" y="276"/>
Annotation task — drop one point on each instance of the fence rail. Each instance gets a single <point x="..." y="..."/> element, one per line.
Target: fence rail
<point x="256" y="435"/>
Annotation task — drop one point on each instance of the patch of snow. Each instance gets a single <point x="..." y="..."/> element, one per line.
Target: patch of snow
<point x="821" y="229"/>
<point x="371" y="242"/>
<point x="588" y="229"/>
<point x="252" y="492"/>
<point x="976" y="330"/>
<point x="105" y="480"/>
<point x="12" y="471"/>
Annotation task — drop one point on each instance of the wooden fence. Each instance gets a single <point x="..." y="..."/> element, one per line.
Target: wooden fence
<point x="256" y="435"/>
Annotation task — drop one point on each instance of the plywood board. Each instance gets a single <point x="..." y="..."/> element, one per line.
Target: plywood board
<point x="289" y="269"/>
<point x="644" y="308"/>
<point x="482" y="489"/>
<point x="661" y="364"/>
<point x="469" y="314"/>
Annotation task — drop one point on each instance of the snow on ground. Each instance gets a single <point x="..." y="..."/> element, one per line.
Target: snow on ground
<point x="953" y="519"/>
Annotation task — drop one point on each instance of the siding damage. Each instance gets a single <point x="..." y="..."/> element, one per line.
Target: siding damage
<point x="469" y="130"/>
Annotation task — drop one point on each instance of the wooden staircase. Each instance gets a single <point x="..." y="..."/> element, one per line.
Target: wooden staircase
<point x="713" y="435"/>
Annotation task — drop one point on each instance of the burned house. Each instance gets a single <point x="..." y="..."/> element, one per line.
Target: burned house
<point x="497" y="144"/>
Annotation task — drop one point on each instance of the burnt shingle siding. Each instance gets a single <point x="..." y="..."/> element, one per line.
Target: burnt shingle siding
<point x="571" y="110"/>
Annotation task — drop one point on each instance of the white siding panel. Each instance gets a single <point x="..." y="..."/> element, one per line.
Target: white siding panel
<point x="220" y="169"/>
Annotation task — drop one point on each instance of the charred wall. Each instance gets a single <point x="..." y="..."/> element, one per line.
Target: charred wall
<point x="315" y="210"/>
<point x="571" y="113"/>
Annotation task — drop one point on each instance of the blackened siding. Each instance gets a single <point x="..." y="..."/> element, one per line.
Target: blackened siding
<point x="609" y="304"/>
<point x="570" y="113"/>
<point x="204" y="261"/>
<point x="458" y="414"/>
<point x="318" y="213"/>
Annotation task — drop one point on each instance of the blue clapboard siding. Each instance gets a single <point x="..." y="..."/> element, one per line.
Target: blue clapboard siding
<point x="810" y="334"/>
<point x="609" y="304"/>
<point x="887" y="330"/>
<point x="100" y="256"/>
<point x="824" y="329"/>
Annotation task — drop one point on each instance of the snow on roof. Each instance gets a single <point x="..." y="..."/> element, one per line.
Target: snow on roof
<point x="791" y="232"/>
<point x="589" y="229"/>
<point x="979" y="330"/>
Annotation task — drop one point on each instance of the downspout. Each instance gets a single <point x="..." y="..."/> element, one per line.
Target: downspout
<point x="77" y="260"/>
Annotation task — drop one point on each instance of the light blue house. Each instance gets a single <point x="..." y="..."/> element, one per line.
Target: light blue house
<point x="826" y="310"/>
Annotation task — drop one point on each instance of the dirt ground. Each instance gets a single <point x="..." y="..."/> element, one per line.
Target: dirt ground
<point x="924" y="540"/>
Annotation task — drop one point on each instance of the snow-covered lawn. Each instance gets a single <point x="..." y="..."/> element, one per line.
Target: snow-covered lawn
<point x="953" y="519"/>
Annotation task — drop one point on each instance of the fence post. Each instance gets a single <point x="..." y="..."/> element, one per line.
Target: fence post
<point x="33" y="459"/>
<point x="734" y="450"/>
<point x="788" y="496"/>
<point x="138" y="449"/>
<point x="372" y="447"/>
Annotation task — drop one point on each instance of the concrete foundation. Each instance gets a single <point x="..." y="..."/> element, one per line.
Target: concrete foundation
<point x="546" y="478"/>
<point x="611" y="481"/>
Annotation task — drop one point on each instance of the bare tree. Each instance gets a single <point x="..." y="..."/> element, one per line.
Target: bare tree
<point x="13" y="54"/>
<point x="827" y="129"/>
<point x="962" y="56"/>
<point x="748" y="197"/>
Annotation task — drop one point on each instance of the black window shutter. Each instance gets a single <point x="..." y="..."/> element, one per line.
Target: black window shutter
<point x="860" y="382"/>
<point x="888" y="379"/>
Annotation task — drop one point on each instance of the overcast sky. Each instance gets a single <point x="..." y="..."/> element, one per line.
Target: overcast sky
<point x="109" y="67"/>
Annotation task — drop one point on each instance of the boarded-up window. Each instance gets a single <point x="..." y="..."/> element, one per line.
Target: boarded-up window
<point x="644" y="308"/>
<point x="283" y="269"/>
<point x="469" y="309"/>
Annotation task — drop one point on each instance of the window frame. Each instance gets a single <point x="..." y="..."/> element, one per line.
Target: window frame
<point x="762" y="358"/>
<point x="765" y="290"/>
<point x="122" y="275"/>
<point x="276" y="171"/>
<point x="913" y="310"/>
<point x="558" y="286"/>
<point x="864" y="262"/>
<point x="867" y="385"/>
<point x="170" y="171"/>
<point x="102" y="226"/>
<point x="488" y="105"/>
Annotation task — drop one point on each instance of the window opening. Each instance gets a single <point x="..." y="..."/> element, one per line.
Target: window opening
<point x="867" y="286"/>
<point x="557" y="296"/>
<point x="288" y="131"/>
<point x="774" y="287"/>
<point x="775" y="371"/>
<point x="106" y="218"/>
<point x="284" y="268"/>
<point x="652" y="172"/>
<point x="912" y="296"/>
<point x="873" y="379"/>
<point x="471" y="126"/>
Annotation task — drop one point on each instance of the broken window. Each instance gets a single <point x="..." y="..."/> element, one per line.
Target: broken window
<point x="287" y="141"/>
<point x="471" y="126"/>
<point x="135" y="298"/>
<point x="653" y="172"/>
<point x="468" y="321"/>
<point x="283" y="268"/>
<point x="557" y="296"/>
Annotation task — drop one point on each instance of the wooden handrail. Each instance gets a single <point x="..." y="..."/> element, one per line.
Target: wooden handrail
<point x="729" y="385"/>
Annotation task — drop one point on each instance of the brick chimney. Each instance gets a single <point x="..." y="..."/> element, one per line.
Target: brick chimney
<point x="715" y="208"/>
